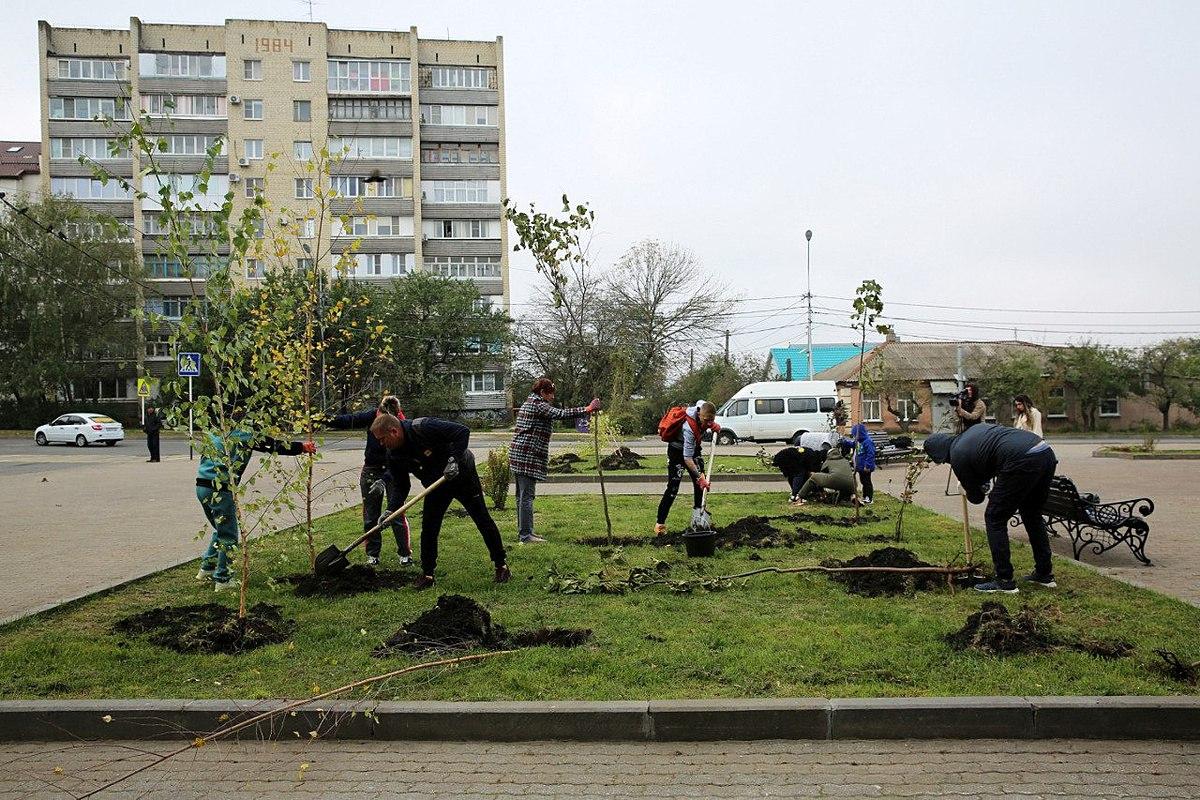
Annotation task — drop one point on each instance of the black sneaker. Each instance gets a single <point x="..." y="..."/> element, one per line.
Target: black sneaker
<point x="1046" y="581"/>
<point x="503" y="574"/>
<point x="1007" y="587"/>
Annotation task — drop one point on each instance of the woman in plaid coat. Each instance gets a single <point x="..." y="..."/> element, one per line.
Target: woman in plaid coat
<point x="530" y="449"/>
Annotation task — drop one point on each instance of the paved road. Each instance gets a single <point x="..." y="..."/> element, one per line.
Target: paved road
<point x="985" y="769"/>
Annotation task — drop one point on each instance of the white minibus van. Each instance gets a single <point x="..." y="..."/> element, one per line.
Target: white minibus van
<point x="777" y="411"/>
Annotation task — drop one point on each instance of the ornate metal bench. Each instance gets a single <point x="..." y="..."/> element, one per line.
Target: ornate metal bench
<point x="886" y="450"/>
<point x="1095" y="525"/>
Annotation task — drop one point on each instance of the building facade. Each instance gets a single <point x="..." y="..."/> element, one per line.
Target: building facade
<point x="423" y="119"/>
<point x="20" y="165"/>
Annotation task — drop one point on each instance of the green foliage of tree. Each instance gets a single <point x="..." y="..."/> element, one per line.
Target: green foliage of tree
<point x="1171" y="375"/>
<point x="881" y="378"/>
<point x="868" y="305"/>
<point x="714" y="380"/>
<point x="553" y="241"/>
<point x="1005" y="377"/>
<point x="1095" y="372"/>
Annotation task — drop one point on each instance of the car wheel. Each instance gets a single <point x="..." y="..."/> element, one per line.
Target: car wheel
<point x="110" y="444"/>
<point x="41" y="439"/>
<point x="726" y="437"/>
<point x="81" y="441"/>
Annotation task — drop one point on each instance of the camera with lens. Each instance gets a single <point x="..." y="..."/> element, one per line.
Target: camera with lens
<point x="961" y="397"/>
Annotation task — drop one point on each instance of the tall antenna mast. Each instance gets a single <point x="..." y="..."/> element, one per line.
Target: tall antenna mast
<point x="808" y="295"/>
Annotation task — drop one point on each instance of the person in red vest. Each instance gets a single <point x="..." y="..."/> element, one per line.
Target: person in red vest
<point x="684" y="446"/>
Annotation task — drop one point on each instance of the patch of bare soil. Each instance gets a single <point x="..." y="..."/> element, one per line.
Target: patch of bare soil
<point x="354" y="579"/>
<point x="563" y="463"/>
<point x="1177" y="668"/>
<point x="622" y="458"/>
<point x="460" y="623"/>
<point x="864" y="518"/>
<point x="209" y="628"/>
<point x="995" y="631"/>
<point x="877" y="584"/>
<point x="752" y="531"/>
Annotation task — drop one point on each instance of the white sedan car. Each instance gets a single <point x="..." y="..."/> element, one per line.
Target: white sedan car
<point x="81" y="429"/>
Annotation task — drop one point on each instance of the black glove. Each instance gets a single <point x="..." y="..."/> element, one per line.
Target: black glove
<point x="377" y="488"/>
<point x="451" y="471"/>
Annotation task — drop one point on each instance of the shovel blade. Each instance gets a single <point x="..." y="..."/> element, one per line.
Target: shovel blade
<point x="331" y="560"/>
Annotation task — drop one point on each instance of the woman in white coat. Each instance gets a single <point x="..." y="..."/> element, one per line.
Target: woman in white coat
<point x="1025" y="416"/>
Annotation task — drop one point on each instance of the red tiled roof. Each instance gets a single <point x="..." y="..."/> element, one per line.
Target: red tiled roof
<point x="21" y="161"/>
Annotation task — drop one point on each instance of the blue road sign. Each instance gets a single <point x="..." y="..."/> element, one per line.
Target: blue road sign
<point x="188" y="365"/>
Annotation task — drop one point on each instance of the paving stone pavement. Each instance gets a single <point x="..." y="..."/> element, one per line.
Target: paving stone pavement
<point x="1013" y="770"/>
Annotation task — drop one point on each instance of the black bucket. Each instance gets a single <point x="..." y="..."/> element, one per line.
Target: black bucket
<point x="699" y="544"/>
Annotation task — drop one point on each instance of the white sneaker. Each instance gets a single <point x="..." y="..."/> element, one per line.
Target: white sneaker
<point x="227" y="586"/>
<point x="204" y="575"/>
<point x="372" y="561"/>
<point x="405" y="560"/>
<point x="866" y="501"/>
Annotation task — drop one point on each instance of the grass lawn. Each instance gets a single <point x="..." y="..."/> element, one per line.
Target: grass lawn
<point x="657" y="465"/>
<point x="770" y="636"/>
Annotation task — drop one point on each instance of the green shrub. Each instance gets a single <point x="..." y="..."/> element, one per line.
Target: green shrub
<point x="497" y="476"/>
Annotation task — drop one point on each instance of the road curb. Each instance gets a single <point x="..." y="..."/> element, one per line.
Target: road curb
<point x="1170" y="718"/>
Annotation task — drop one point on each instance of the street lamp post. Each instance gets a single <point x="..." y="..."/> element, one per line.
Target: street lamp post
<point x="808" y="295"/>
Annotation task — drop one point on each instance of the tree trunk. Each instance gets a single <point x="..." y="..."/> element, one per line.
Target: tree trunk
<point x="1166" y="412"/>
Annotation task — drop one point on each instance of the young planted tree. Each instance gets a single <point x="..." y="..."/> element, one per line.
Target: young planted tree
<point x="916" y="466"/>
<point x="868" y="305"/>
<point x="553" y="241"/>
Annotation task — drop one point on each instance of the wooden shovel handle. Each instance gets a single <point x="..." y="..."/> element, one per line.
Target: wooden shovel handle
<point x="383" y="523"/>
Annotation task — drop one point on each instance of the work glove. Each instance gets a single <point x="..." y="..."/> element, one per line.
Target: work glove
<point x="377" y="489"/>
<point x="451" y="471"/>
<point x="593" y="406"/>
<point x="703" y="482"/>
<point x="309" y="447"/>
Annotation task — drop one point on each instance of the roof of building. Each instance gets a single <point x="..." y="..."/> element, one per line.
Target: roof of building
<point x="825" y="356"/>
<point x="19" y="158"/>
<point x="921" y="361"/>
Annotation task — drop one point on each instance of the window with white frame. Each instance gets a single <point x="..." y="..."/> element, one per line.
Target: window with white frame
<point x="93" y="69"/>
<point x="90" y="189"/>
<point x="88" y="108"/>
<point x="252" y="69"/>
<point x="906" y="404"/>
<point x="258" y="228"/>
<point x="481" y="382"/>
<point x="346" y="108"/>
<point x="255" y="268"/>
<point x="461" y="228"/>
<point x="186" y="144"/>
<point x="195" y="224"/>
<point x="464" y="266"/>
<point x="112" y="389"/>
<point x="97" y="149"/>
<point x="100" y="229"/>
<point x="301" y="110"/>
<point x="1110" y="407"/>
<point x="254" y="186"/>
<point x="304" y="188"/>
<point x="159" y="346"/>
<point x="1056" y="402"/>
<point x="358" y="186"/>
<point x="304" y="263"/>
<point x="379" y="265"/>
<point x="372" y="226"/>
<point x="372" y="147"/>
<point x="459" y="153"/>
<point x="470" y="116"/>
<point x="195" y="106"/>
<point x="172" y="308"/>
<point x="181" y="65"/>
<point x="254" y="149"/>
<point x="301" y="71"/>
<point x="308" y="229"/>
<point x="252" y="109"/>
<point x="368" y="77"/>
<point x="302" y="151"/>
<point x="208" y="192"/>
<point x="871" y="409"/>
<point x="462" y="78"/>
<point x="460" y="191"/>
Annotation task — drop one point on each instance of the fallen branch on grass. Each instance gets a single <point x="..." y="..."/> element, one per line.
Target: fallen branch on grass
<point x="229" y="730"/>
<point x="947" y="570"/>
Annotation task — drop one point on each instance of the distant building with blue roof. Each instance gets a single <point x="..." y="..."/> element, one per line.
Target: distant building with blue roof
<point x="791" y="363"/>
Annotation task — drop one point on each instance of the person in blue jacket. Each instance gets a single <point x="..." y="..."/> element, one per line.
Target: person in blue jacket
<point x="864" y="459"/>
<point x="221" y="468"/>
<point x="375" y="481"/>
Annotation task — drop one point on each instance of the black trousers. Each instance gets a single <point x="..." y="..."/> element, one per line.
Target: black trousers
<point x="675" y="472"/>
<point x="868" y="488"/>
<point x="373" y="510"/>
<point x="468" y="491"/>
<point x="1022" y="486"/>
<point x="152" y="445"/>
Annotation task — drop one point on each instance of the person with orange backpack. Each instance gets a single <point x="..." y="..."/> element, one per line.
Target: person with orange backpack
<point x="683" y="431"/>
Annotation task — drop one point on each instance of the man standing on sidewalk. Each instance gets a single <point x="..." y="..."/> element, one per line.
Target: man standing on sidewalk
<point x="1022" y="465"/>
<point x="530" y="449"/>
<point x="152" y="426"/>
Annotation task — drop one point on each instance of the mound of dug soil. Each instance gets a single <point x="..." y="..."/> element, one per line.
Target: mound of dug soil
<point x="353" y="579"/>
<point x="209" y="628"/>
<point x="564" y="462"/>
<point x="876" y="584"/>
<point x="622" y="458"/>
<point x="752" y="531"/>
<point x="460" y="623"/>
<point x="864" y="518"/>
<point x="994" y="631"/>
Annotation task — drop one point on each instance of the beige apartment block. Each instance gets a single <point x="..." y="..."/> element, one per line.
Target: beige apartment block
<point x="425" y="116"/>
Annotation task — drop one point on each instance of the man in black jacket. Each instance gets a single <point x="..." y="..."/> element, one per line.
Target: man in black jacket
<point x="1022" y="465"/>
<point x="429" y="448"/>
<point x="797" y="464"/>
<point x="375" y="481"/>
<point x="152" y="426"/>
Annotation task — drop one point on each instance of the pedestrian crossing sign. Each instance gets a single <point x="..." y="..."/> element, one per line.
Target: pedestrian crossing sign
<point x="189" y="365"/>
<point x="143" y="387"/>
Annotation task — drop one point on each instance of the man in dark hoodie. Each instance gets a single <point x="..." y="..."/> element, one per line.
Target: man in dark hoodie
<point x="797" y="464"/>
<point x="1022" y="465"/>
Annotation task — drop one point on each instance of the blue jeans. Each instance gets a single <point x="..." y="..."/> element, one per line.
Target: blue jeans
<point x="218" y="508"/>
<point x="526" y="490"/>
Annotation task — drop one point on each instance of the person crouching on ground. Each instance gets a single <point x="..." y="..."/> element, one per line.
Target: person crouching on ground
<point x="221" y="468"/>
<point x="375" y="482"/>
<point x="1022" y="465"/>
<point x="797" y="464"/>
<point x="684" y="456"/>
<point x="430" y="448"/>
<point x="530" y="449"/>
<point x="864" y="459"/>
<point x="837" y="475"/>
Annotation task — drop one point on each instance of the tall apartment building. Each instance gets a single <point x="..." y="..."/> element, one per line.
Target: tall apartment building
<point x="426" y="116"/>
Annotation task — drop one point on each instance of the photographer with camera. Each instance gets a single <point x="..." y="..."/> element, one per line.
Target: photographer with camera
<point x="968" y="406"/>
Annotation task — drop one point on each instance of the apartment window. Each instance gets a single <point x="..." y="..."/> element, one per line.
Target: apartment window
<point x="189" y="145"/>
<point x="252" y="109"/>
<point x="301" y="71"/>
<point x="159" y="346"/>
<point x="1110" y="407"/>
<point x="184" y="105"/>
<point x="1056" y="402"/>
<point x="100" y="229"/>
<point x="180" y="65"/>
<point x="343" y="108"/>
<point x="92" y="69"/>
<point x="90" y="189"/>
<point x="88" y="108"/>
<point x="168" y="307"/>
<point x="462" y="78"/>
<point x="481" y="382"/>
<point x="302" y="151"/>
<point x="461" y="191"/>
<point x="372" y="226"/>
<point x="195" y="224"/>
<point x="96" y="149"/>
<point x="373" y="146"/>
<point x="308" y="229"/>
<point x="112" y="389"/>
<point x="379" y="265"/>
<point x="304" y="188"/>
<point x="207" y="193"/>
<point x="459" y="153"/>
<point x="302" y="110"/>
<point x="871" y="409"/>
<point x="357" y="186"/>
<point x="259" y="228"/>
<point x="362" y="76"/>
<point x="304" y="263"/>
<point x="254" y="148"/>
<point x="464" y="266"/>
<point x="488" y="116"/>
<point x="464" y="229"/>
<point x="252" y="69"/>
<point x="158" y="266"/>
<point x="254" y="186"/>
<point x="255" y="268"/>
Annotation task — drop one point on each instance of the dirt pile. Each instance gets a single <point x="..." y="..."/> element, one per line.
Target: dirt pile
<point x="209" y="628"/>
<point x="354" y="579"/>
<point x="877" y="584"/>
<point x="622" y="458"/>
<point x="995" y="631"/>
<point x="865" y="518"/>
<point x="752" y="531"/>
<point x="460" y="623"/>
<point x="563" y="463"/>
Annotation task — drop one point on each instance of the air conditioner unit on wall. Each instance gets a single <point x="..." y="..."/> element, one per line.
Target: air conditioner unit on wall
<point x="243" y="162"/>
<point x="234" y="100"/>
<point x="235" y="178"/>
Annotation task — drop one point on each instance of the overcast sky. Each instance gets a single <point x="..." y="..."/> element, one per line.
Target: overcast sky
<point x="1011" y="155"/>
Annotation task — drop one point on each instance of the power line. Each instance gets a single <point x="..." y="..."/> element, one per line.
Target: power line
<point x="1015" y="310"/>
